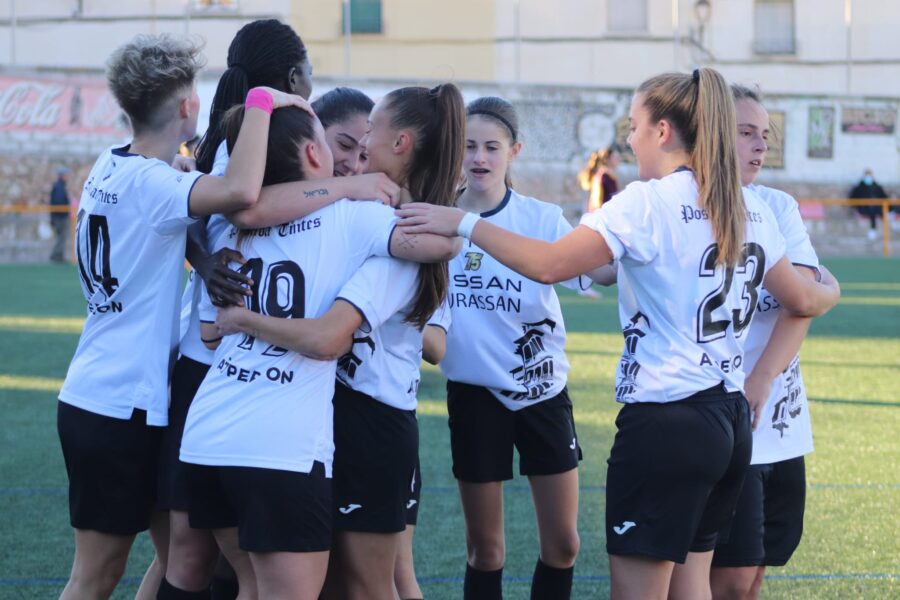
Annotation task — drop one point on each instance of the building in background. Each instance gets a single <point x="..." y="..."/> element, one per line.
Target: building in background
<point x="830" y="71"/>
<point x="847" y="47"/>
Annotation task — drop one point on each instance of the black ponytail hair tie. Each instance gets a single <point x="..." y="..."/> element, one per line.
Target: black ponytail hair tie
<point x="695" y="77"/>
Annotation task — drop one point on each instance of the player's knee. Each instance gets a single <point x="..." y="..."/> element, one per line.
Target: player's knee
<point x="561" y="551"/>
<point x="488" y="555"/>
<point x="736" y="586"/>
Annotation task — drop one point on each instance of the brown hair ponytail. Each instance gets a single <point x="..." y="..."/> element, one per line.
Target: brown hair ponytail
<point x="438" y="118"/>
<point x="701" y="110"/>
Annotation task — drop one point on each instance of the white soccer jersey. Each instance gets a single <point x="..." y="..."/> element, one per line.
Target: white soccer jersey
<point x="387" y="351"/>
<point x="508" y="333"/>
<point x="264" y="406"/>
<point x="442" y="317"/>
<point x="784" y="429"/>
<point x="191" y="345"/>
<point x="682" y="316"/>
<point x="130" y="235"/>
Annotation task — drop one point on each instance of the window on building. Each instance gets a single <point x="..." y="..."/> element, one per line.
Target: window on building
<point x="627" y="15"/>
<point x="365" y="16"/>
<point x="773" y="22"/>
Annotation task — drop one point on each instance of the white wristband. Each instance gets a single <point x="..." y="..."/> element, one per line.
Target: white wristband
<point x="467" y="224"/>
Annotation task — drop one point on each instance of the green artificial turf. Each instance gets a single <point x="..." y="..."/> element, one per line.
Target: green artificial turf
<point x="850" y="362"/>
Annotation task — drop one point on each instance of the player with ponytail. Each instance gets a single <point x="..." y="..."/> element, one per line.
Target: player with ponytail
<point x="692" y="250"/>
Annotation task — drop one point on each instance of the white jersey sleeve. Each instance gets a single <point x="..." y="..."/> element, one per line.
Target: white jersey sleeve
<point x="220" y="162"/>
<point x="560" y="229"/>
<point x="785" y="429"/>
<point x="629" y="223"/>
<point x="381" y="288"/>
<point x="168" y="212"/>
<point x="442" y="317"/>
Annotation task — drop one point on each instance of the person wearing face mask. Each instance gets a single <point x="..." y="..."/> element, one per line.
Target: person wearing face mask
<point x="869" y="188"/>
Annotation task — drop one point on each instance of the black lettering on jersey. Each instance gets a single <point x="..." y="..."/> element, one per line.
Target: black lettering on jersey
<point x="299" y="226"/>
<point x="691" y="213"/>
<point x="93" y="247"/>
<point x="750" y="271"/>
<point x="536" y="373"/>
<point x="477" y="282"/>
<point x="348" y="363"/>
<point x="629" y="367"/>
<point x="729" y="365"/>
<point x="499" y="303"/>
<point x="767" y="303"/>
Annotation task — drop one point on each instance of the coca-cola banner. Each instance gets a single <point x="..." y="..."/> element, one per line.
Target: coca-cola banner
<point x="59" y="104"/>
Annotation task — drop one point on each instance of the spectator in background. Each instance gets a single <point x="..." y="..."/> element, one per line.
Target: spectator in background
<point x="599" y="177"/>
<point x="869" y="188"/>
<point x="59" y="221"/>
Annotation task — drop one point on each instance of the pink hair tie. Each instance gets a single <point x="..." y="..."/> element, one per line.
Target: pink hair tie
<point x="261" y="99"/>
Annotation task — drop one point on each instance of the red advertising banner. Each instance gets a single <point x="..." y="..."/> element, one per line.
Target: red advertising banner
<point x="60" y="105"/>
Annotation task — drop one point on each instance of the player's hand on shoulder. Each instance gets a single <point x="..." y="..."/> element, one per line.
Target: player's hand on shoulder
<point x="421" y="217"/>
<point x="373" y="186"/>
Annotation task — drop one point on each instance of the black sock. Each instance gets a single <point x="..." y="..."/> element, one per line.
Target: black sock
<point x="483" y="585"/>
<point x="167" y="591"/>
<point x="223" y="588"/>
<point x="550" y="583"/>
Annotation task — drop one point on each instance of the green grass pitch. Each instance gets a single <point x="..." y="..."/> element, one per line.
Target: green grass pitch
<point x="851" y="364"/>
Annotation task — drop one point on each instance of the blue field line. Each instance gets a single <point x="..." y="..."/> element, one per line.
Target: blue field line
<point x="135" y="581"/>
<point x="856" y="402"/>
<point x="62" y="492"/>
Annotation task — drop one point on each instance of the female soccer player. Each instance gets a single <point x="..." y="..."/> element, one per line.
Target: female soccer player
<point x="376" y="434"/>
<point x="507" y="368"/>
<point x="131" y="231"/>
<point x="344" y="113"/>
<point x="767" y="526"/>
<point x="692" y="253"/>
<point x="265" y="52"/>
<point x="235" y="424"/>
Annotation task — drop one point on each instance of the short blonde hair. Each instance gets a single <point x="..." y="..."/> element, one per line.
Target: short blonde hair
<point x="146" y="74"/>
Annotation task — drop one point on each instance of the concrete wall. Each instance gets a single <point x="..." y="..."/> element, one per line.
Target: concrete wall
<point x="560" y="127"/>
<point x="568" y="42"/>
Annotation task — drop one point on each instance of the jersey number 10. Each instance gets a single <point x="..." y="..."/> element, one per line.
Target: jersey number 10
<point x="750" y="269"/>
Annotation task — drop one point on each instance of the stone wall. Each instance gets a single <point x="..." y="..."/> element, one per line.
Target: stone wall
<point x="70" y="120"/>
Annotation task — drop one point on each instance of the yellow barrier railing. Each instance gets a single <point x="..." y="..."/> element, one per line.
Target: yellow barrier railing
<point x="885" y="203"/>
